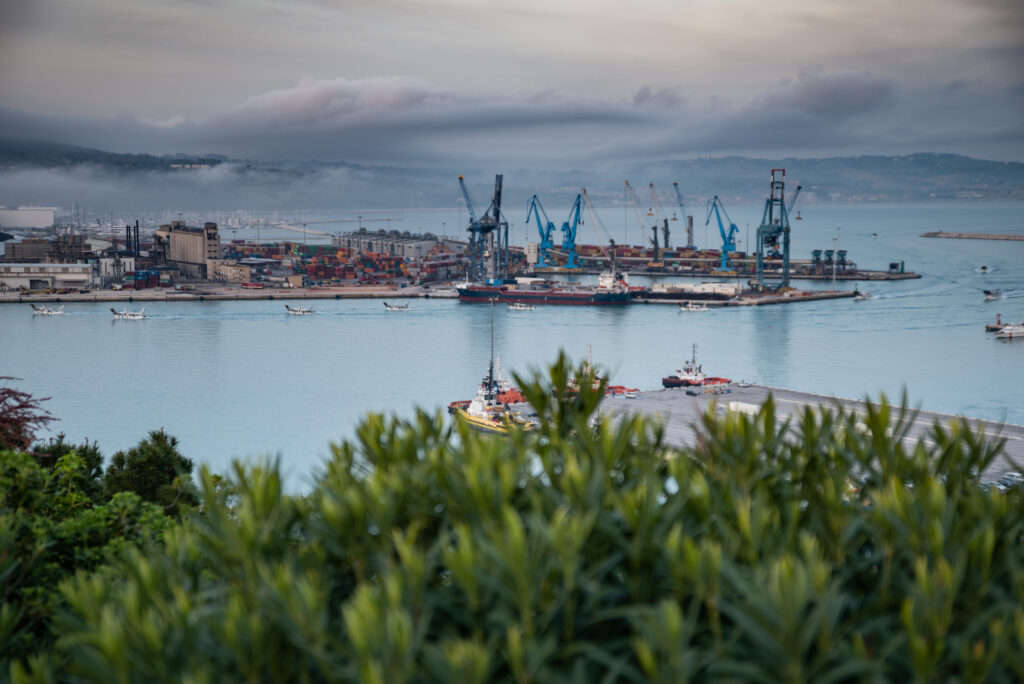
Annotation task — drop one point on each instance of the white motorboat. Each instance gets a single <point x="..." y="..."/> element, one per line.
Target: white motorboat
<point x="519" y="306"/>
<point x="299" y="311"/>
<point x="992" y="294"/>
<point x="47" y="311"/>
<point x="396" y="307"/>
<point x="1010" y="332"/>
<point x="690" y="306"/>
<point x="861" y="296"/>
<point x="126" y="315"/>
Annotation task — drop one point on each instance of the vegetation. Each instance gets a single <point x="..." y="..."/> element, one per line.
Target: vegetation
<point x="823" y="550"/>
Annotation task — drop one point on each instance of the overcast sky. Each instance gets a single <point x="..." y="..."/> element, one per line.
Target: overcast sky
<point x="560" y="83"/>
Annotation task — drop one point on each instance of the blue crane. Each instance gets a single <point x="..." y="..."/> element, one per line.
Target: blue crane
<point x="728" y="239"/>
<point x="569" y="234"/>
<point x="545" y="229"/>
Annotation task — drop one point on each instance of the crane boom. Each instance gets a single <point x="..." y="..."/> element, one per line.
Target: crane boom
<point x="569" y="234"/>
<point x="639" y="214"/>
<point x="468" y="200"/>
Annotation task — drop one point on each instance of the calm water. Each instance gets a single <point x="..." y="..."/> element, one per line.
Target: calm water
<point x="243" y="379"/>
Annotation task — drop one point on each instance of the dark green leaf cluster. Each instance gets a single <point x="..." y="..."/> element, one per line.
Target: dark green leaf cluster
<point x="586" y="550"/>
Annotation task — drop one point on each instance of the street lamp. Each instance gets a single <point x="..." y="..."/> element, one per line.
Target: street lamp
<point x="835" y="258"/>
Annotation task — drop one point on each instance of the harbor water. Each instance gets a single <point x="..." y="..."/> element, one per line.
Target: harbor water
<point x="242" y="379"/>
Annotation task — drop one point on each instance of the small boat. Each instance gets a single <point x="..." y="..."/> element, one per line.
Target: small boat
<point x="983" y="269"/>
<point x="861" y="296"/>
<point x="691" y="306"/>
<point x="47" y="311"/>
<point x="396" y="307"/>
<point x="992" y="294"/>
<point x="125" y="315"/>
<point x="299" y="311"/>
<point x="874" y="235"/>
<point x="692" y="377"/>
<point x="1010" y="332"/>
<point x="519" y="306"/>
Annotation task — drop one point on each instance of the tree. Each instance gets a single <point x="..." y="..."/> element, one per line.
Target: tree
<point x="20" y="416"/>
<point x="156" y="471"/>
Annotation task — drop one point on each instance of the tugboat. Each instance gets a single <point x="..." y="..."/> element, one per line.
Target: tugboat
<point x="692" y="376"/>
<point x="488" y="411"/>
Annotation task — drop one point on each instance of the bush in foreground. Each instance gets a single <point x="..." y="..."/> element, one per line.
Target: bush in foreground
<point x="585" y="551"/>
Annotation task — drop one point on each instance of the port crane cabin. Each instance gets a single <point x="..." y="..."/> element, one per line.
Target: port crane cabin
<point x="488" y="237"/>
<point x="546" y="228"/>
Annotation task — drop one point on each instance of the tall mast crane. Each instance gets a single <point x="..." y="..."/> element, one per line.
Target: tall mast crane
<point x="545" y="230"/>
<point x="774" y="229"/>
<point x="656" y="206"/>
<point x="488" y="247"/>
<point x="639" y="213"/>
<point x="728" y="238"/>
<point x="686" y="217"/>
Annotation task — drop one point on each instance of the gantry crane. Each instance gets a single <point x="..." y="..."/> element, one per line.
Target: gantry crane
<point x="686" y="217"/>
<point x="728" y="238"/>
<point x="773" y="229"/>
<point x="488" y="247"/>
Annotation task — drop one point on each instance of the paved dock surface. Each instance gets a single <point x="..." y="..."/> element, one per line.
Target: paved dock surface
<point x="974" y="236"/>
<point x="682" y="412"/>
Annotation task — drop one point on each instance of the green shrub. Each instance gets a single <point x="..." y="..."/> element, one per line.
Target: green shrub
<point x="586" y="550"/>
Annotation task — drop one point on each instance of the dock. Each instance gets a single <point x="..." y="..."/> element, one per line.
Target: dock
<point x="974" y="236"/>
<point x="681" y="413"/>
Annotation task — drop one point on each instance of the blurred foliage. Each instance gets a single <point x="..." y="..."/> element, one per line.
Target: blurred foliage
<point x="824" y="549"/>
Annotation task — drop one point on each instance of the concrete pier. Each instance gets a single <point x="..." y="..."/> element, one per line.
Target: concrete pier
<point x="974" y="236"/>
<point x="681" y="413"/>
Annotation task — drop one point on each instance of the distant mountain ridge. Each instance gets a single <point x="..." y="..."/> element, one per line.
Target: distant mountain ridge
<point x="48" y="173"/>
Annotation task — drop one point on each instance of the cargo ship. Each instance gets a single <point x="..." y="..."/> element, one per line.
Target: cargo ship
<point x="691" y="376"/>
<point x="612" y="289"/>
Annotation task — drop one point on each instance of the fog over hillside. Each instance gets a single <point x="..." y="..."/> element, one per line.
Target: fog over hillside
<point x="61" y="175"/>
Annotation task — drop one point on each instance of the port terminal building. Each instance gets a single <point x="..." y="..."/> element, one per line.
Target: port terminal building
<point x="15" y="276"/>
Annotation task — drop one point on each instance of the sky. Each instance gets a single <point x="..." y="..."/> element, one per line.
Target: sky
<point x="552" y="83"/>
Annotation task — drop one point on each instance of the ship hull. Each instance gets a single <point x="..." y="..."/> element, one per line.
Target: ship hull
<point x="483" y="293"/>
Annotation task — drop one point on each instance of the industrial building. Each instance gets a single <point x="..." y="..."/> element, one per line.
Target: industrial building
<point x="46" y="276"/>
<point x="190" y="249"/>
<point x="394" y="243"/>
<point x="229" y="271"/>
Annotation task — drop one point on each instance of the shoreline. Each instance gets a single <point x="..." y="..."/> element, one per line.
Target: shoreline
<point x="973" y="236"/>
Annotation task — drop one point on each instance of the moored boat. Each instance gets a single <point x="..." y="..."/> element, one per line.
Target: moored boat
<point x="691" y="375"/>
<point x="125" y="315"/>
<point x="519" y="306"/>
<point x="1014" y="331"/>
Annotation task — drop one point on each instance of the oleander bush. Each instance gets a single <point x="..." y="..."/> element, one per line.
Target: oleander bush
<point x="587" y="550"/>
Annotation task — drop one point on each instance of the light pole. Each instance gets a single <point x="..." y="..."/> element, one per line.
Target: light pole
<point x="835" y="257"/>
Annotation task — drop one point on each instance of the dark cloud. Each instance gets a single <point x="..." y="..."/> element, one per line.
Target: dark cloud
<point x="647" y="96"/>
<point x="836" y="97"/>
